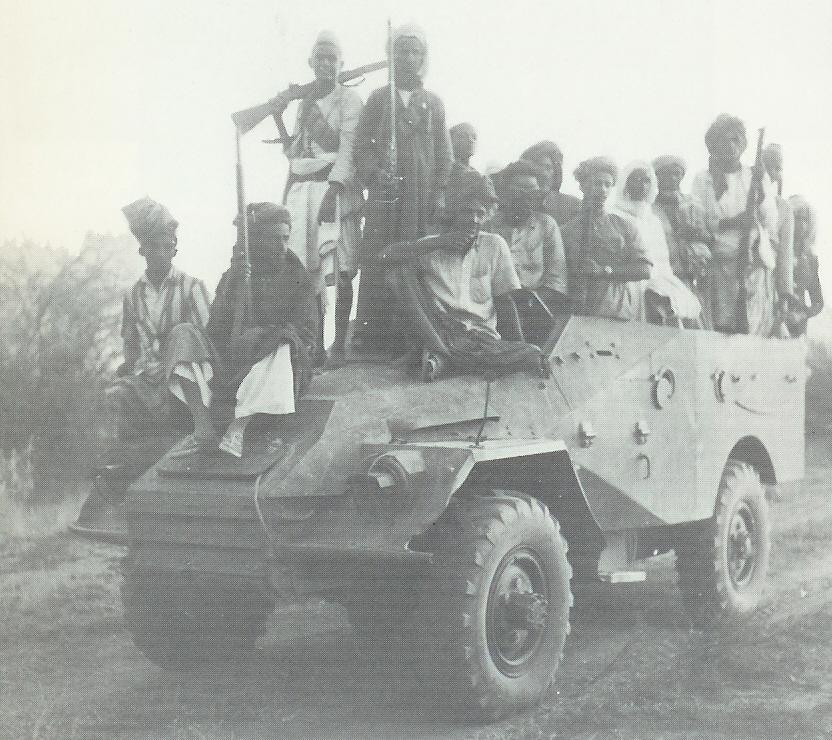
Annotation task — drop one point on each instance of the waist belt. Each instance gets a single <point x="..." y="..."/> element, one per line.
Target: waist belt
<point x="319" y="176"/>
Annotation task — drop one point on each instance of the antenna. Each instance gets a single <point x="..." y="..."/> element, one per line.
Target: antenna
<point x="489" y="379"/>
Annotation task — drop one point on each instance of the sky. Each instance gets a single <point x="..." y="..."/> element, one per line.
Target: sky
<point x="105" y="101"/>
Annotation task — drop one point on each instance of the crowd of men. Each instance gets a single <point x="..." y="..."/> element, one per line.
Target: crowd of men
<point x="462" y="271"/>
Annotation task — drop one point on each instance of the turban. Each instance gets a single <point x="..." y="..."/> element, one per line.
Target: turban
<point x="267" y="213"/>
<point x="595" y="165"/>
<point x="547" y="149"/>
<point x="521" y="168"/>
<point x="725" y="126"/>
<point x="148" y="219"/>
<point x="669" y="160"/>
<point x="327" y="38"/>
<point x="773" y="153"/>
<point x="467" y="189"/>
<point x="463" y="129"/>
<point x="412" y="31"/>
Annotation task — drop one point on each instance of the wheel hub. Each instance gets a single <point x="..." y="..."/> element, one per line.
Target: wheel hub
<point x="525" y="610"/>
<point x="741" y="549"/>
<point x="517" y="612"/>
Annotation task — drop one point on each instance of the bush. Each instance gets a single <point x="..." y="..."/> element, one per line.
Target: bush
<point x="59" y="335"/>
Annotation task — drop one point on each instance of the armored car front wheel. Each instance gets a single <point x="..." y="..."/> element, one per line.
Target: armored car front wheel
<point x="495" y="617"/>
<point x="723" y="564"/>
<point x="179" y="620"/>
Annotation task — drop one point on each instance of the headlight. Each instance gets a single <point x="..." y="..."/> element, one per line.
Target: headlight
<point x="395" y="468"/>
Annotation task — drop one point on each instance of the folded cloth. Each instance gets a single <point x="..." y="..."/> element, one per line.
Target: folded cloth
<point x="268" y="388"/>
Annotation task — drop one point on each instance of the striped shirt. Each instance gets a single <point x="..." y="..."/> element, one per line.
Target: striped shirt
<point x="150" y="314"/>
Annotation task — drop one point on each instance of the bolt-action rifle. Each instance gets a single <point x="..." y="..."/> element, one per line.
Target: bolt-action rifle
<point x="240" y="260"/>
<point x="746" y="256"/>
<point x="247" y="119"/>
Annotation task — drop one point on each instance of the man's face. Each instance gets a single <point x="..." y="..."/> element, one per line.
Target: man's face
<point x="728" y="149"/>
<point x="325" y="63"/>
<point x="464" y="142"/>
<point x="547" y="171"/>
<point x="774" y="166"/>
<point x="801" y="225"/>
<point x="670" y="178"/>
<point x="159" y="252"/>
<point x="524" y="194"/>
<point x="596" y="188"/>
<point x="638" y="185"/>
<point x="468" y="220"/>
<point x="409" y="56"/>
<point x="271" y="238"/>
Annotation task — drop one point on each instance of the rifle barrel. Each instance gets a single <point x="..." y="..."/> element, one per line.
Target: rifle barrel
<point x="241" y="255"/>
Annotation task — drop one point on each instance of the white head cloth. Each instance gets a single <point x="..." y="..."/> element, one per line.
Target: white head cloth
<point x="623" y="201"/>
<point x="328" y="38"/>
<point x="413" y="31"/>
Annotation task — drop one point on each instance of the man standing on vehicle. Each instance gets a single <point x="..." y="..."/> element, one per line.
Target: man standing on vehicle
<point x="464" y="143"/>
<point x="322" y="193"/>
<point x="414" y="188"/>
<point x="743" y="295"/>
<point x="783" y="239"/>
<point x="560" y="206"/>
<point x="604" y="251"/>
<point x="688" y="237"/>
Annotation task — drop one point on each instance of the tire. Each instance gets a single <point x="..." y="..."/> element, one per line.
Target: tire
<point x="493" y="619"/>
<point x="179" y="621"/>
<point x="723" y="564"/>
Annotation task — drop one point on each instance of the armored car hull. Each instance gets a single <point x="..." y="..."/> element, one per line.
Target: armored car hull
<point x="452" y="504"/>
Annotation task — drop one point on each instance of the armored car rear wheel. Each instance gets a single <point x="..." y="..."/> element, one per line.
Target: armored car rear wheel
<point x="180" y="620"/>
<point x="494" y="619"/>
<point x="723" y="565"/>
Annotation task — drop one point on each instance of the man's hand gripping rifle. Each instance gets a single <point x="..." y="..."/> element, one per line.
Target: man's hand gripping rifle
<point x="247" y="119"/>
<point x="746" y="247"/>
<point x="384" y="192"/>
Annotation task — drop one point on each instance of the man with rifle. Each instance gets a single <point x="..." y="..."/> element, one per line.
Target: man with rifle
<point x="321" y="191"/>
<point x="741" y="213"/>
<point x="263" y="321"/>
<point x="783" y="238"/>
<point x="403" y="157"/>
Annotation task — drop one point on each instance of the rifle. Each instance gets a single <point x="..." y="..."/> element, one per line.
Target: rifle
<point x="240" y="259"/>
<point x="381" y="217"/>
<point x="247" y="119"/>
<point x="755" y="192"/>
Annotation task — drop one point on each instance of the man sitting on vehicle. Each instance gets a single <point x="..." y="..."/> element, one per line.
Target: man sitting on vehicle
<point x="451" y="286"/>
<point x="165" y="353"/>
<point x="536" y="248"/>
<point x="270" y="364"/>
